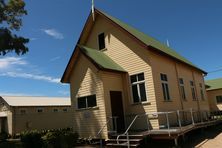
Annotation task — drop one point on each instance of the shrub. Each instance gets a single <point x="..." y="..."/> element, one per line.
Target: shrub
<point x="32" y="139"/>
<point x="64" y="138"/>
<point x="4" y="136"/>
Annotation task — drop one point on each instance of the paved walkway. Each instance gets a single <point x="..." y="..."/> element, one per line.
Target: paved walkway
<point x="216" y="142"/>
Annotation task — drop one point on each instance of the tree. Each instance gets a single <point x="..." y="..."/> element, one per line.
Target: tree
<point x="11" y="12"/>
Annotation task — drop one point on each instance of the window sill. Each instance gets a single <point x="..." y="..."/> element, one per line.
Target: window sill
<point x="89" y="108"/>
<point x="142" y="103"/>
<point x="104" y="49"/>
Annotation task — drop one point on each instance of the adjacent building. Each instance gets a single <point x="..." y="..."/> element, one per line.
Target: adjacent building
<point x="23" y="113"/>
<point x="117" y="72"/>
<point x="214" y="93"/>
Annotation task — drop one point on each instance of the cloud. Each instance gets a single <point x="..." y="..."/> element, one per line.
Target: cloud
<point x="31" y="76"/>
<point x="53" y="33"/>
<point x="63" y="92"/>
<point x="55" y="58"/>
<point x="9" y="62"/>
<point x="33" y="39"/>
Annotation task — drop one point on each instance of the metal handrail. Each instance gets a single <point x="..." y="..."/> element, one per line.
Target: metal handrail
<point x="99" y="133"/>
<point x="126" y="132"/>
<point x="105" y="125"/>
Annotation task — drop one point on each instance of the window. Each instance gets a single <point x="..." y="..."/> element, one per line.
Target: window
<point x="101" y="39"/>
<point x="65" y="109"/>
<point x="39" y="110"/>
<point x="182" y="89"/>
<point x="202" y="91"/>
<point x="193" y="90"/>
<point x="55" y="110"/>
<point x="138" y="87"/>
<point x="165" y="87"/>
<point x="86" y="102"/>
<point x="23" y="111"/>
<point x="219" y="99"/>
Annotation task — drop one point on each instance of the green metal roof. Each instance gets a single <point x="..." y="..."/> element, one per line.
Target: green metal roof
<point x="214" y="84"/>
<point x="149" y="41"/>
<point x="101" y="59"/>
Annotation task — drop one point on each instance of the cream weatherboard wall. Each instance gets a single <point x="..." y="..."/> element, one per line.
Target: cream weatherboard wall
<point x="132" y="57"/>
<point x="18" y="121"/>
<point x="175" y="70"/>
<point x="46" y="120"/>
<point x="214" y="106"/>
<point x="87" y="80"/>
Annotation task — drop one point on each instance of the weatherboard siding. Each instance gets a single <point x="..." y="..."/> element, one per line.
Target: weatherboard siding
<point x="175" y="70"/>
<point x="212" y="99"/>
<point x="85" y="81"/>
<point x="132" y="58"/>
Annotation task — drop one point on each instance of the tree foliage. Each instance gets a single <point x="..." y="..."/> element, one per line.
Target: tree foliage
<point x="11" y="12"/>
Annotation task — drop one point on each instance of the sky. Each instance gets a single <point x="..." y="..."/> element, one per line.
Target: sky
<point x="192" y="27"/>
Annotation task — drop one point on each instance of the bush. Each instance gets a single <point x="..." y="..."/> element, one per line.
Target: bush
<point x="32" y="139"/>
<point x="64" y="138"/>
<point x="4" y="136"/>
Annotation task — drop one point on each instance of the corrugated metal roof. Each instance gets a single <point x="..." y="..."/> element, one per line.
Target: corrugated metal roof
<point x="36" y="101"/>
<point x="149" y="41"/>
<point x="214" y="84"/>
<point x="101" y="59"/>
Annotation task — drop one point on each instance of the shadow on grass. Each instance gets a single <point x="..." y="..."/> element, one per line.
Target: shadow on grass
<point x="192" y="139"/>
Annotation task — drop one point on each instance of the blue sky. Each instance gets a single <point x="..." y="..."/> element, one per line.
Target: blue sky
<point x="193" y="28"/>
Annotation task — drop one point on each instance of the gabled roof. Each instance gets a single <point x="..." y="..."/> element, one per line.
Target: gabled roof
<point x="141" y="38"/>
<point x="214" y="84"/>
<point x="36" y="101"/>
<point x="100" y="59"/>
<point x="149" y="41"/>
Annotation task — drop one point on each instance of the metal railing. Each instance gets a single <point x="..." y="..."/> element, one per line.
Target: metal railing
<point x="196" y="116"/>
<point x="114" y="128"/>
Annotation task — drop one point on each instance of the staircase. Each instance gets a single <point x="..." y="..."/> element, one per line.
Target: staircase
<point x="134" y="141"/>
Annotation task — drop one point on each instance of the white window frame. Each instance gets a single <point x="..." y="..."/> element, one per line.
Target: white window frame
<point x="164" y="90"/>
<point x="193" y="91"/>
<point x="202" y="92"/>
<point x="40" y="109"/>
<point x="87" y="107"/>
<point x="182" y="90"/>
<point x="220" y="96"/>
<point x="137" y="83"/>
<point x="23" y="112"/>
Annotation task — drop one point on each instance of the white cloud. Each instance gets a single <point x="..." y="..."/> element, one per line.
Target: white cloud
<point x="9" y="62"/>
<point x="31" y="76"/>
<point x="53" y="33"/>
<point x="55" y="58"/>
<point x="63" y="92"/>
<point x="33" y="39"/>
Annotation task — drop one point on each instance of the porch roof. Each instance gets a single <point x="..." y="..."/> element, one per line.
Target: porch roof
<point x="100" y="59"/>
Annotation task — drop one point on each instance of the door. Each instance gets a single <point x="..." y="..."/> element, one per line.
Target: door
<point x="117" y="110"/>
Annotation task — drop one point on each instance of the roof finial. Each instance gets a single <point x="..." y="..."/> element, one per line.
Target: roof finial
<point x="93" y="14"/>
<point x="168" y="44"/>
